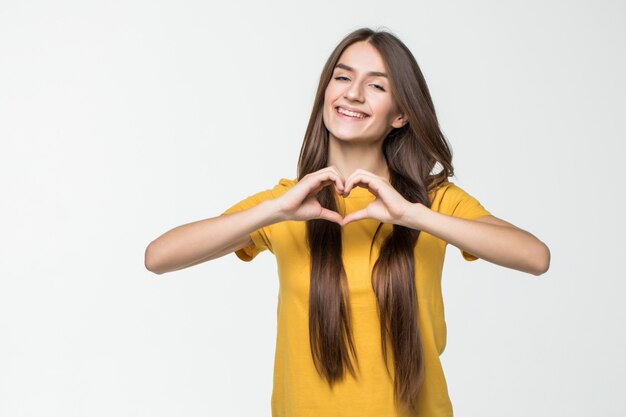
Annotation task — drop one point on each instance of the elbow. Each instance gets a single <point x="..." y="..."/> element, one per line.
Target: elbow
<point x="151" y="260"/>
<point x="541" y="260"/>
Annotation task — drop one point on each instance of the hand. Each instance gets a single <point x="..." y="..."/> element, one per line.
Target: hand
<point x="389" y="207"/>
<point x="300" y="202"/>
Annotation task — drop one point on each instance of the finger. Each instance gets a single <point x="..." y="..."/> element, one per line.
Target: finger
<point x="331" y="215"/>
<point x="333" y="169"/>
<point x="360" y="171"/>
<point x="341" y="180"/>
<point x="320" y="186"/>
<point x="336" y="170"/>
<point x="333" y="174"/>
<point x="364" y="181"/>
<point x="321" y="179"/>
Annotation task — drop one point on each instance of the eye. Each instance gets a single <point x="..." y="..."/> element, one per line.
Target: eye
<point x="341" y="78"/>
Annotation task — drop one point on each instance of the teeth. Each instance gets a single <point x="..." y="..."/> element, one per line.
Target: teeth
<point x="350" y="113"/>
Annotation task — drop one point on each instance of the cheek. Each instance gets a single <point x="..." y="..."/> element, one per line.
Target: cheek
<point x="384" y="107"/>
<point x="334" y="89"/>
<point x="330" y="97"/>
<point x="326" y="109"/>
<point x="327" y="99"/>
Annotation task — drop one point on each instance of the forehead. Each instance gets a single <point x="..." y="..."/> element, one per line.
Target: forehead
<point x="363" y="57"/>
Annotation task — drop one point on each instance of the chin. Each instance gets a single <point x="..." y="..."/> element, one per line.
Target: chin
<point x="346" y="137"/>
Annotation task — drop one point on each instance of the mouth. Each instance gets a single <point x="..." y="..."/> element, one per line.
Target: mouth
<point x="350" y="115"/>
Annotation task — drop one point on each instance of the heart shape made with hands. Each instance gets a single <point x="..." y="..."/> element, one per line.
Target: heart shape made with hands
<point x="338" y="188"/>
<point x="388" y="207"/>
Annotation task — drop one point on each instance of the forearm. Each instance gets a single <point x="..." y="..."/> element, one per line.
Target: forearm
<point x="187" y="244"/>
<point x="508" y="246"/>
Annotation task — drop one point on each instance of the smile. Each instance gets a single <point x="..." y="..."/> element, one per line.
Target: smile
<point x="347" y="114"/>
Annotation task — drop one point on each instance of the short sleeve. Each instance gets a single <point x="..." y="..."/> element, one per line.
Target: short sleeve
<point x="458" y="203"/>
<point x="261" y="238"/>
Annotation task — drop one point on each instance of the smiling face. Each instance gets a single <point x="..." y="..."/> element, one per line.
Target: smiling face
<point x="358" y="105"/>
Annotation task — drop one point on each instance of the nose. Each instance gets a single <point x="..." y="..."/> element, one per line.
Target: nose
<point x="353" y="92"/>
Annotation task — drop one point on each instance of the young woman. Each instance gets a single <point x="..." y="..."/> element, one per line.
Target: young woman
<point x="359" y="238"/>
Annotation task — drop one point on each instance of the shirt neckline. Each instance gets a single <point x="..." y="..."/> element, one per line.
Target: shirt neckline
<point x="359" y="192"/>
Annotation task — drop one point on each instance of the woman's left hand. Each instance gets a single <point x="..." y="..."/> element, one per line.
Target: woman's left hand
<point x="389" y="207"/>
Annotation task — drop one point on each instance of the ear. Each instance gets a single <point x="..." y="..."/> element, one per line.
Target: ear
<point x="399" y="121"/>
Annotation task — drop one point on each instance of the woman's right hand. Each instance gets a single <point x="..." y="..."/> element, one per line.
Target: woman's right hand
<point x="300" y="202"/>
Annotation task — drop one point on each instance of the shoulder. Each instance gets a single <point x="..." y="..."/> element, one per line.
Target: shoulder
<point x="287" y="182"/>
<point x="267" y="194"/>
<point x="449" y="189"/>
<point x="451" y="199"/>
<point x="438" y="191"/>
<point x="446" y="188"/>
<point x="283" y="185"/>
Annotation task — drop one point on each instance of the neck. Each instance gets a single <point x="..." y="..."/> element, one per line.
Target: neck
<point x="350" y="156"/>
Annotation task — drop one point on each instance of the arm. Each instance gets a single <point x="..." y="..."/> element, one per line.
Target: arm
<point x="207" y="239"/>
<point x="238" y="244"/>
<point x="488" y="238"/>
<point x="203" y="240"/>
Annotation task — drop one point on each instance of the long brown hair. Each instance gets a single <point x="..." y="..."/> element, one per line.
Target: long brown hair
<point x="412" y="153"/>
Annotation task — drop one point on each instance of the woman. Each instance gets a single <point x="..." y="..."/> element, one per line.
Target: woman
<point x="359" y="239"/>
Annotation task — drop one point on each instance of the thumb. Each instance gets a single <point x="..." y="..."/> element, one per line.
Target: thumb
<point x="331" y="215"/>
<point x="354" y="216"/>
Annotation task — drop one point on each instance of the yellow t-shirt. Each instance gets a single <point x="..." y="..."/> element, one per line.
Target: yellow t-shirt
<point x="298" y="390"/>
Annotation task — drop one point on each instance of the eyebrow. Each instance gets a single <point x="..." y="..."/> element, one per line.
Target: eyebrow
<point x="373" y="73"/>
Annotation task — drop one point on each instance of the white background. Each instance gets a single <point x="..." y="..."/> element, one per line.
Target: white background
<point x="121" y="120"/>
